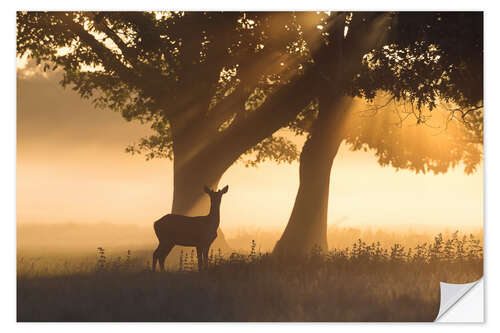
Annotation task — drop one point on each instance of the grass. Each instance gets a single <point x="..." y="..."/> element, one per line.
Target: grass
<point x="365" y="282"/>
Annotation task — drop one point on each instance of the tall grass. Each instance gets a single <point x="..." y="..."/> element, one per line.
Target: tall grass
<point x="363" y="282"/>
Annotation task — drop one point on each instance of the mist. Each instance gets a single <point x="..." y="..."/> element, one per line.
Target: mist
<point x="72" y="167"/>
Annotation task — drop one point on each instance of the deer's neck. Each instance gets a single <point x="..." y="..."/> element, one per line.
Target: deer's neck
<point x="214" y="214"/>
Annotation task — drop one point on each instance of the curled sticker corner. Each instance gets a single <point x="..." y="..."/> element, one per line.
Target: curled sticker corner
<point x="451" y="293"/>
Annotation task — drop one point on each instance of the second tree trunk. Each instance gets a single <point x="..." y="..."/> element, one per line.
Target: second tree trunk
<point x="307" y="226"/>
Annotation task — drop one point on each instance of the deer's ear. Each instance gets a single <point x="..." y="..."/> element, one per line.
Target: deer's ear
<point x="207" y="190"/>
<point x="224" y="190"/>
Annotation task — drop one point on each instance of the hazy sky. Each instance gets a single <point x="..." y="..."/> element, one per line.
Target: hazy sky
<point x="71" y="167"/>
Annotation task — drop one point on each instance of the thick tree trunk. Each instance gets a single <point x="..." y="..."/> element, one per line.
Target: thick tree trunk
<point x="307" y="226"/>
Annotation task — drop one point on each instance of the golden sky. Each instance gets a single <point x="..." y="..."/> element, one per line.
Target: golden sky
<point x="71" y="167"/>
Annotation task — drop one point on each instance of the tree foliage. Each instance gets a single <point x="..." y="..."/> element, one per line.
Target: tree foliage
<point x="397" y="138"/>
<point x="186" y="74"/>
<point x="429" y="61"/>
<point x="221" y="77"/>
<point x="422" y="83"/>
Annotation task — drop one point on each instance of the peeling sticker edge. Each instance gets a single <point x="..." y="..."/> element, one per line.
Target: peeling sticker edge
<point x="451" y="294"/>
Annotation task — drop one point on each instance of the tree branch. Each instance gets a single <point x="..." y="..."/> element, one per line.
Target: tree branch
<point x="279" y="109"/>
<point x="129" y="53"/>
<point x="151" y="86"/>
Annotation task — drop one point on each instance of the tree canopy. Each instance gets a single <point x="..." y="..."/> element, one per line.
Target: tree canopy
<point x="423" y="69"/>
<point x="187" y="74"/>
<point x="200" y="74"/>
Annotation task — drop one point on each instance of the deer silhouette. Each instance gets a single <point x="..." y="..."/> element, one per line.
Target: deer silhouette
<point x="198" y="231"/>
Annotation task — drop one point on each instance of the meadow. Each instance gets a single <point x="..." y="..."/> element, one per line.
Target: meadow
<point x="366" y="281"/>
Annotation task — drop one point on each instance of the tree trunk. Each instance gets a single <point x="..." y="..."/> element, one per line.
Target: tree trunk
<point x="307" y="225"/>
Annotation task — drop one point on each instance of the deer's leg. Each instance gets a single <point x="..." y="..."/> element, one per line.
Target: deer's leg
<point x="205" y="255"/>
<point x="165" y="250"/>
<point x="199" y="254"/>
<point x="156" y="255"/>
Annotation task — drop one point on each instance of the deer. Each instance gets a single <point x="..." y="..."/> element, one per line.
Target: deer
<point x="197" y="231"/>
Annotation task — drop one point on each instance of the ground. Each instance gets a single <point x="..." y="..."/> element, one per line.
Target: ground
<point x="363" y="283"/>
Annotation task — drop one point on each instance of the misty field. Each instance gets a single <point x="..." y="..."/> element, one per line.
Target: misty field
<point x="365" y="282"/>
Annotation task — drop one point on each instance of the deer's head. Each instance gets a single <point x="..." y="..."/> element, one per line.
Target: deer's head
<point x="216" y="196"/>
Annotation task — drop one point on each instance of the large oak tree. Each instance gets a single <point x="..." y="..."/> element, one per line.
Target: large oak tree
<point x="418" y="61"/>
<point x="213" y="86"/>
